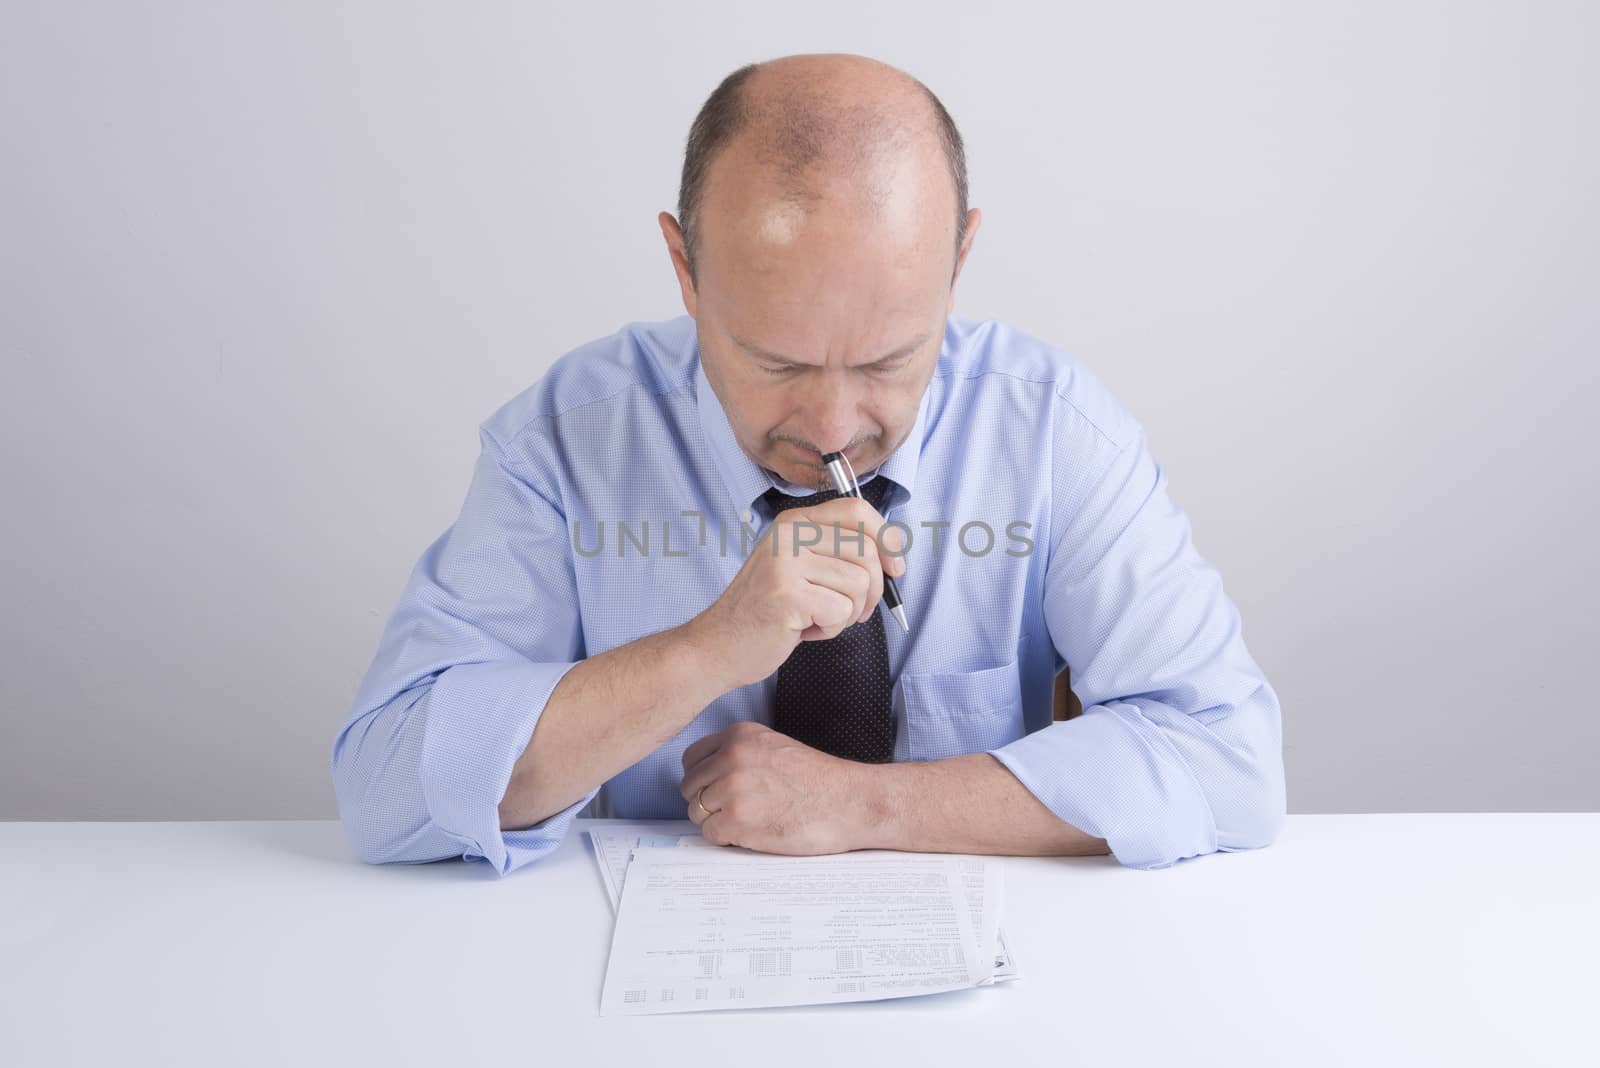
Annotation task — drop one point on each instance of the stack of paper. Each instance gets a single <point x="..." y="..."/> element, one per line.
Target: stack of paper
<point x="702" y="927"/>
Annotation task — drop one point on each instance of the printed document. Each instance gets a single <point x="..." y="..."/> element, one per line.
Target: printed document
<point x="711" y="928"/>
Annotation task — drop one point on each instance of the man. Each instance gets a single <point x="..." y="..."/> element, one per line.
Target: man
<point x="646" y="607"/>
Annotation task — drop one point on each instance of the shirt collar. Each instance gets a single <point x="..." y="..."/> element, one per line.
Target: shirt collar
<point x="748" y="481"/>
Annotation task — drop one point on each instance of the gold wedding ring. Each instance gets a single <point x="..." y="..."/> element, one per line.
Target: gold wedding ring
<point x="699" y="799"/>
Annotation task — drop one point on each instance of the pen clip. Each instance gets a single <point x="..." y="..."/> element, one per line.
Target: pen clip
<point x="843" y="474"/>
<point x="855" y="484"/>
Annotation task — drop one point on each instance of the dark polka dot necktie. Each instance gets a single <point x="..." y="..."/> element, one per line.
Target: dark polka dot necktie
<point x="834" y="694"/>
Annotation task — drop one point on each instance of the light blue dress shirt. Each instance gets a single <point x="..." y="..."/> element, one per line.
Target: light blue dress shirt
<point x="611" y="501"/>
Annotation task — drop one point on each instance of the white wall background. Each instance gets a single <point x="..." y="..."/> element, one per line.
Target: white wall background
<point x="264" y="268"/>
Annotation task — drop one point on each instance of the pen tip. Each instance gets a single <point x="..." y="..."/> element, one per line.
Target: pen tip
<point x="899" y="611"/>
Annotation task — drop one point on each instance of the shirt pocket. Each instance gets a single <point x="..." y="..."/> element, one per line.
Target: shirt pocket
<point x="951" y="713"/>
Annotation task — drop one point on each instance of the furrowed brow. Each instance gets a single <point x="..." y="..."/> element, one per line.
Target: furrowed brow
<point x="772" y="357"/>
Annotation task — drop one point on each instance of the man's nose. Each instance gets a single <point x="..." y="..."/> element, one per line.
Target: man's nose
<point x="833" y="413"/>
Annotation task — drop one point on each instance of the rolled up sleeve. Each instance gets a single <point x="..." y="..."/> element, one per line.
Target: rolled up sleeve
<point x="1178" y="751"/>
<point x="485" y="629"/>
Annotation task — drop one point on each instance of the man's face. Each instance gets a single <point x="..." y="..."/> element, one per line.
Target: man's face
<point x="819" y="331"/>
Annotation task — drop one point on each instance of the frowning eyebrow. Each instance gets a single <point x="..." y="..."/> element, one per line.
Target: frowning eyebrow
<point x="772" y="357"/>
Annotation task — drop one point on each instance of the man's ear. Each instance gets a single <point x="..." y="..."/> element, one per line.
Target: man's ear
<point x="680" y="259"/>
<point x="974" y="220"/>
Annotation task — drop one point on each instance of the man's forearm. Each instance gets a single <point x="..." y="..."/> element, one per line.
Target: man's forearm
<point x="965" y="804"/>
<point x="605" y="715"/>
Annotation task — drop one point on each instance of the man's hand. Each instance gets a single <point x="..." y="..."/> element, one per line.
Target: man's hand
<point x="751" y="786"/>
<point x="821" y="571"/>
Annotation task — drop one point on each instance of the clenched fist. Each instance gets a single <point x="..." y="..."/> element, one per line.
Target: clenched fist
<point x="814" y="572"/>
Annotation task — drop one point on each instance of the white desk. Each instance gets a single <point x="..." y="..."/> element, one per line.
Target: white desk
<point x="1421" y="939"/>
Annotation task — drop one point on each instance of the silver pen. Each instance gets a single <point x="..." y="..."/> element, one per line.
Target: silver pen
<point x="844" y="481"/>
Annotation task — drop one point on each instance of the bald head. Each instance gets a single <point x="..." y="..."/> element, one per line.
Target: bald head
<point x="822" y="226"/>
<point x="777" y="142"/>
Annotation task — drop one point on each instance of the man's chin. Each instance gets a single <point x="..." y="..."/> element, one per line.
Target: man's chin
<point x="802" y="467"/>
<point x="815" y="476"/>
<point x="801" y="475"/>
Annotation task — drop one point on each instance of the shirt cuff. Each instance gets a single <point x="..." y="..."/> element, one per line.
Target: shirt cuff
<point x="1110" y="774"/>
<point x="480" y="718"/>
